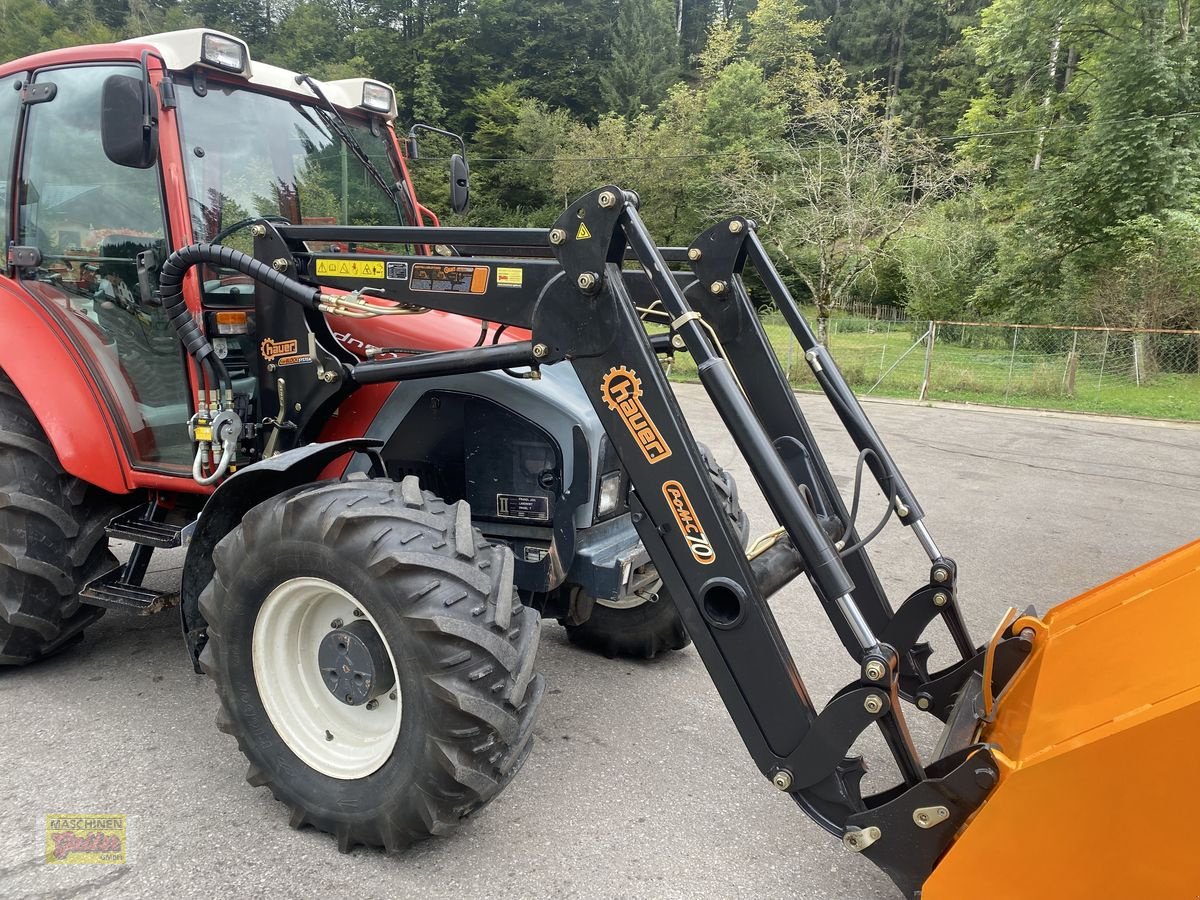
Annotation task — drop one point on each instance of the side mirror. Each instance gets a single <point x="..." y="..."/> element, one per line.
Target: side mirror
<point x="129" y="122"/>
<point x="460" y="184"/>
<point x="411" y="148"/>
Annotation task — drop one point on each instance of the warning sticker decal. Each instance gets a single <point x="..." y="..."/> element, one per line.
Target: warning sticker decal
<point x="582" y="234"/>
<point x="452" y="279"/>
<point x="397" y="271"/>
<point x="509" y="277"/>
<point x="350" y="268"/>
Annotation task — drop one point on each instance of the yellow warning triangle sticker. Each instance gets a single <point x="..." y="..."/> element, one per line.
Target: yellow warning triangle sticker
<point x="582" y="234"/>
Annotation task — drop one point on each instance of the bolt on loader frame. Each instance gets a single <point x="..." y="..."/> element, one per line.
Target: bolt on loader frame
<point x="570" y="286"/>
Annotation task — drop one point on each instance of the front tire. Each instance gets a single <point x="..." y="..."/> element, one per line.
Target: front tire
<point x="636" y="628"/>
<point x="397" y="570"/>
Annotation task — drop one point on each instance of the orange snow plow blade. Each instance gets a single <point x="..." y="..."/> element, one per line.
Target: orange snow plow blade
<point x="1098" y="739"/>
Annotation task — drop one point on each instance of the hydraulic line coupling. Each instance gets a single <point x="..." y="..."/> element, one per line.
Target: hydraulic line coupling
<point x="210" y="432"/>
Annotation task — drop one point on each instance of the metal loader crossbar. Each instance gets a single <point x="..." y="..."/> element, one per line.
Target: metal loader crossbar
<point x="569" y="286"/>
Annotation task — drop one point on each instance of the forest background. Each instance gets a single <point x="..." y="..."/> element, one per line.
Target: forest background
<point x="1020" y="160"/>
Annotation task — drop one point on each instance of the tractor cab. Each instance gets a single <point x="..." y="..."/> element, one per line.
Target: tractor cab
<point x="130" y="150"/>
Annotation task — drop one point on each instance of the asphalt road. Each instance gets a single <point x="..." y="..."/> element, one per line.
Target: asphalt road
<point x="638" y="785"/>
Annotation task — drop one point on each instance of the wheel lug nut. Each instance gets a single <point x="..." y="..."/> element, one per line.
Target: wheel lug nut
<point x="371" y="704"/>
<point x="336" y="623"/>
<point x="358" y="612"/>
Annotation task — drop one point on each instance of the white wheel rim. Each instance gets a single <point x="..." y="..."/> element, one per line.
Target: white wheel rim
<point x="634" y="599"/>
<point x="336" y="739"/>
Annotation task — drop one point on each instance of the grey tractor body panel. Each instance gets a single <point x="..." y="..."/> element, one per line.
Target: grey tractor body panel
<point x="598" y="556"/>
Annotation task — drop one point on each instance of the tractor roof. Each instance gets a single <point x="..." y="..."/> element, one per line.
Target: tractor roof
<point x="217" y="52"/>
<point x="193" y="47"/>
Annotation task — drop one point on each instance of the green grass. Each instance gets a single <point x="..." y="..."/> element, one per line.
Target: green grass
<point x="982" y="374"/>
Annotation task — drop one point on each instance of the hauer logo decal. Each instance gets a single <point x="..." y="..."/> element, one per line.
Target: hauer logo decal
<point x="685" y="517"/>
<point x="622" y="393"/>
<point x="271" y="349"/>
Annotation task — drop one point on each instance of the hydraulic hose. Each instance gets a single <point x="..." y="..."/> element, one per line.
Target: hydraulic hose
<point x="219" y="469"/>
<point x="190" y="333"/>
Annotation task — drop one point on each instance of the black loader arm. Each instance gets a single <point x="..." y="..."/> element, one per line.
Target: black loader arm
<point x="573" y="288"/>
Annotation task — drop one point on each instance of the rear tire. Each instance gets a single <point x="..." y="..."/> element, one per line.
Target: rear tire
<point x="462" y="648"/>
<point x="643" y="630"/>
<point x="52" y="539"/>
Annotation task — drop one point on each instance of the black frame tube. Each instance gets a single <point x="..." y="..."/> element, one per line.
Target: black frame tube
<point x="446" y="362"/>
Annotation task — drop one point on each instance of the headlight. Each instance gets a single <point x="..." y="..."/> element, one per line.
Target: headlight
<point x="610" y="495"/>
<point x="377" y="97"/>
<point x="223" y="52"/>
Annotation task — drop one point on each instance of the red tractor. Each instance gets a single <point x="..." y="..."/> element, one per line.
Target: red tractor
<point x="519" y="484"/>
<point x="225" y="328"/>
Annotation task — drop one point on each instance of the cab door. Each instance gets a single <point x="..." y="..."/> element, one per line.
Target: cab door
<point x="90" y="218"/>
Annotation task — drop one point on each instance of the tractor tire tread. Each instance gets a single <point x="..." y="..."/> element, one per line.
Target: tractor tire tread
<point x="426" y="556"/>
<point x="52" y="539"/>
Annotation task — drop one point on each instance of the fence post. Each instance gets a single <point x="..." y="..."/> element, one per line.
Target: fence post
<point x="1137" y="363"/>
<point x="932" y="336"/>
<point x="791" y="345"/>
<point x="1103" y="354"/>
<point x="1072" y="366"/>
<point x="1011" y="359"/>
<point x="883" y="353"/>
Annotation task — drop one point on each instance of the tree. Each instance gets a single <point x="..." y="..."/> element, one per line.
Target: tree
<point x="782" y="43"/>
<point x="1091" y="94"/>
<point x="943" y="256"/>
<point x="841" y="192"/>
<point x="302" y="42"/>
<point x="645" y="58"/>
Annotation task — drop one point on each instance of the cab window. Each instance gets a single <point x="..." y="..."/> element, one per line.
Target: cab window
<point x="90" y="218"/>
<point x="10" y="109"/>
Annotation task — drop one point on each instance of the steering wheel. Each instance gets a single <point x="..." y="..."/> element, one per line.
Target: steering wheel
<point x="242" y="223"/>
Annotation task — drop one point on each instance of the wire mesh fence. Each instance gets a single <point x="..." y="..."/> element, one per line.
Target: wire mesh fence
<point x="1151" y="372"/>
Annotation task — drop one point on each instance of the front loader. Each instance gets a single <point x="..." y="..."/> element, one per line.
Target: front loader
<point x="1042" y="775"/>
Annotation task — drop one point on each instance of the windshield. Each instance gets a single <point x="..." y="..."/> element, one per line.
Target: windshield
<point x="250" y="155"/>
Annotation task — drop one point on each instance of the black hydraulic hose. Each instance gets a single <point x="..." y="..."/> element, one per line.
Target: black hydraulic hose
<point x="170" y="283"/>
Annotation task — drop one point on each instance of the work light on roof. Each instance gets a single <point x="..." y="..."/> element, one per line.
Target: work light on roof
<point x="223" y="52"/>
<point x="377" y="96"/>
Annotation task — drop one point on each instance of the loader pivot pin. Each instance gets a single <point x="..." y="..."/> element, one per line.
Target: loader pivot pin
<point x="874" y="670"/>
<point x="557" y="236"/>
<point x="928" y="816"/>
<point x="859" y="839"/>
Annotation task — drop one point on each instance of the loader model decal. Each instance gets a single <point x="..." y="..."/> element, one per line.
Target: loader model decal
<point x="622" y="393"/>
<point x="689" y="524"/>
<point x="271" y="349"/>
